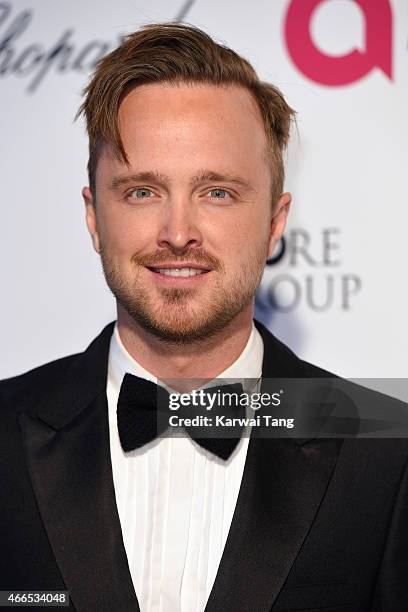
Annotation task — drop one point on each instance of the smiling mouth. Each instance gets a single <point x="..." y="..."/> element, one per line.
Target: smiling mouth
<point x="181" y="272"/>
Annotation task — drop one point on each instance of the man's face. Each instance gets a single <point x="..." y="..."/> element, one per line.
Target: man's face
<point x="185" y="229"/>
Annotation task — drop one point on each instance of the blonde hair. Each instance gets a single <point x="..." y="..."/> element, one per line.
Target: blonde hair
<point x="173" y="53"/>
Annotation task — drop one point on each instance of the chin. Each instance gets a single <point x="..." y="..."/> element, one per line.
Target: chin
<point x="191" y="328"/>
<point x="185" y="331"/>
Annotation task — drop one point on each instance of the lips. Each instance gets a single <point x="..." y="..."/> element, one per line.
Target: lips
<point x="183" y="272"/>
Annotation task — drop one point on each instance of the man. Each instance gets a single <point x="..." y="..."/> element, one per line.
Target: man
<point x="184" y="205"/>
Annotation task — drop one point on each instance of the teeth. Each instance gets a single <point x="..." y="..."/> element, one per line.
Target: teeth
<point x="179" y="271"/>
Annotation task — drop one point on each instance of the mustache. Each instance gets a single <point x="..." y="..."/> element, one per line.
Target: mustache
<point x="154" y="260"/>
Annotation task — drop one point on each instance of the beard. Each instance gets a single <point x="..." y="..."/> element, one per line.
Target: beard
<point x="184" y="315"/>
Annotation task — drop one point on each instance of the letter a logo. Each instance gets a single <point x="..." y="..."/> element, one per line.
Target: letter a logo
<point x="345" y="69"/>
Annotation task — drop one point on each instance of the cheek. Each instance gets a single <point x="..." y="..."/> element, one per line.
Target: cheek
<point x="124" y="236"/>
<point x="242" y="234"/>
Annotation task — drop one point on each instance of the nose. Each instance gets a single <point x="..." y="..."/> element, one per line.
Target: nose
<point x="179" y="229"/>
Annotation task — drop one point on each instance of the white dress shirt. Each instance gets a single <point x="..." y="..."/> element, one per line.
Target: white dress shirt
<point x="175" y="499"/>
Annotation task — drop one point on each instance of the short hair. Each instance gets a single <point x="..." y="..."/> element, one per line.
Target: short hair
<point x="176" y="53"/>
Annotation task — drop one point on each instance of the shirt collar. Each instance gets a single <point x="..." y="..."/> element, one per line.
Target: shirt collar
<point x="247" y="366"/>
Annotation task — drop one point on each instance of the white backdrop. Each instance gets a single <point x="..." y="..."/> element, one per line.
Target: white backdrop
<point x="338" y="294"/>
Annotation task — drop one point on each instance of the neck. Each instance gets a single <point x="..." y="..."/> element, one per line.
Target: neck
<point x="205" y="359"/>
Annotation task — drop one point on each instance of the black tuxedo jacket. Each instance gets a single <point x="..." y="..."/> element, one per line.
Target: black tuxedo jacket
<point x="320" y="524"/>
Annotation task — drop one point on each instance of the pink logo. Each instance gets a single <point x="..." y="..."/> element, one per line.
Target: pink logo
<point x="341" y="70"/>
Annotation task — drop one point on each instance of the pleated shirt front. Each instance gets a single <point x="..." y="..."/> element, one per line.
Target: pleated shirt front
<point x="175" y="500"/>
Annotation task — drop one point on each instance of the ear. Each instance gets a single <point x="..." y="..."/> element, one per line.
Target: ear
<point x="278" y="221"/>
<point x="91" y="220"/>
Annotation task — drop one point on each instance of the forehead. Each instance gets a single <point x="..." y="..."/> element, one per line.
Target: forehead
<point x="185" y="113"/>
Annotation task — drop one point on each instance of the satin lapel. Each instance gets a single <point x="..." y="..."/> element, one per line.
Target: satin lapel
<point x="68" y="455"/>
<point x="282" y="487"/>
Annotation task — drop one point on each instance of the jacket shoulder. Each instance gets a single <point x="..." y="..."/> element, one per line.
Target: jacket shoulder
<point x="80" y="372"/>
<point x="282" y="361"/>
<point x="31" y="384"/>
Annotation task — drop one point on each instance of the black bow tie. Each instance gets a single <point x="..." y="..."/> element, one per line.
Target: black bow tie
<point x="143" y="411"/>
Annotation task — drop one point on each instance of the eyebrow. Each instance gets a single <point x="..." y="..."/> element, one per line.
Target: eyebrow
<point x="208" y="175"/>
<point x="156" y="177"/>
<point x="138" y="177"/>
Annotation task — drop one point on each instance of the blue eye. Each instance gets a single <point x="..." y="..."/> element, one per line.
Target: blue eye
<point x="219" y="194"/>
<point x="141" y="192"/>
